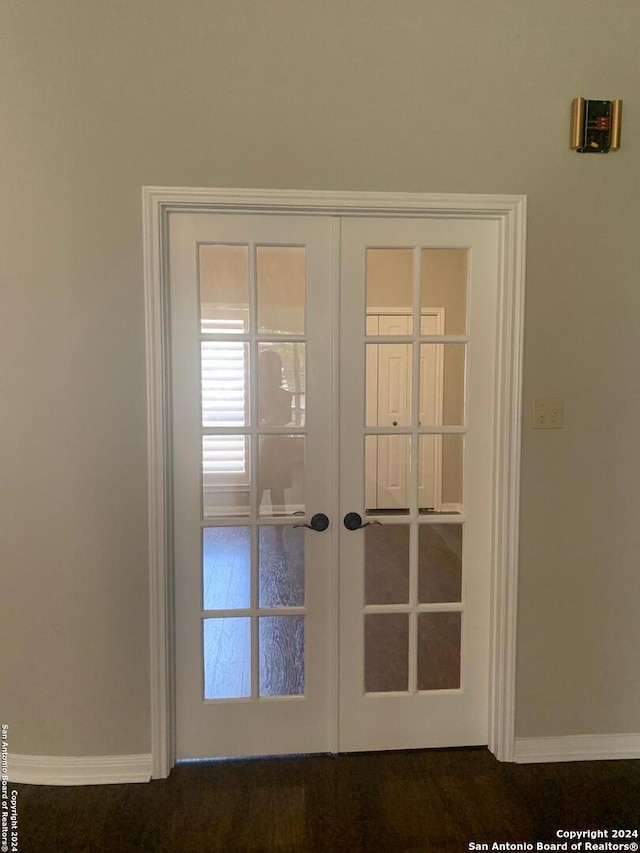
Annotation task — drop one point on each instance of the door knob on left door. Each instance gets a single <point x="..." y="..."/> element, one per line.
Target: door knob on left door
<point x="319" y="522"/>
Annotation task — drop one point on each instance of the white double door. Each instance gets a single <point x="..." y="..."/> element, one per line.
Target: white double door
<point x="339" y="367"/>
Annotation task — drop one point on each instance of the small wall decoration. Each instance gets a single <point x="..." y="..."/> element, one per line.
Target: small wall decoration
<point x="595" y="126"/>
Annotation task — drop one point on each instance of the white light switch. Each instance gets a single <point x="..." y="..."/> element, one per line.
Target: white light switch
<point x="547" y="412"/>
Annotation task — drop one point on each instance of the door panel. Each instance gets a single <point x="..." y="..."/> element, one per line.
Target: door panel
<point x="251" y="412"/>
<point x="414" y="668"/>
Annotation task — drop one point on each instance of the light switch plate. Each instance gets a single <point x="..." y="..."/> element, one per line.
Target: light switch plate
<point x="547" y="412"/>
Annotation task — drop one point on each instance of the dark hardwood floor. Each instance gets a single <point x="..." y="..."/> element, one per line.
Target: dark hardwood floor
<point x="432" y="800"/>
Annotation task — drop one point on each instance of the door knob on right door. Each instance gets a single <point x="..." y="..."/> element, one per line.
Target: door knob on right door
<point x="353" y="521"/>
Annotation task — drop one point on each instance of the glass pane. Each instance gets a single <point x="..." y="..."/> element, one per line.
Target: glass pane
<point x="439" y="638"/>
<point x="226" y="566"/>
<point x="386" y="564"/>
<point x="442" y="371"/>
<point x="429" y="473"/>
<point x="432" y="321"/>
<point x="281" y="655"/>
<point x="281" y="566"/>
<point x="452" y="458"/>
<point x="389" y="291"/>
<point x="444" y="275"/>
<point x="225" y="475"/>
<point x="387" y="473"/>
<point x="227" y="658"/>
<point x="282" y="384"/>
<point x="439" y="563"/>
<point x="386" y="652"/>
<point x="440" y="473"/>
<point x="281" y="278"/>
<point x="225" y="383"/>
<point x="282" y="475"/>
<point x="224" y="288"/>
<point x="388" y="385"/>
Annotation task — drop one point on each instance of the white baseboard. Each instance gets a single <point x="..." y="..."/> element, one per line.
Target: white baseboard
<point x="85" y="770"/>
<point x="529" y="750"/>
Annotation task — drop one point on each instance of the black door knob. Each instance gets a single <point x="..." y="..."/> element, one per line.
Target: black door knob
<point x="319" y="522"/>
<point x="353" y="521"/>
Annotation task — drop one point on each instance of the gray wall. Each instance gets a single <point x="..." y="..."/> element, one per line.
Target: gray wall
<point x="99" y="98"/>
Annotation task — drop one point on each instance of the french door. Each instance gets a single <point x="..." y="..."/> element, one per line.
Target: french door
<point x="252" y="449"/>
<point x="415" y="572"/>
<point x="331" y="602"/>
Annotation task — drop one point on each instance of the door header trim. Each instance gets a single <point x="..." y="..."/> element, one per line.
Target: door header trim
<point x="455" y="205"/>
<point x="510" y="212"/>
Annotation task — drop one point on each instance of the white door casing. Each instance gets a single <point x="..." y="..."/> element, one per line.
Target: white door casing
<point x="509" y="214"/>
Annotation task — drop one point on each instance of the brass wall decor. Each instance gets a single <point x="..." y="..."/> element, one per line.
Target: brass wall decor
<point x="595" y="126"/>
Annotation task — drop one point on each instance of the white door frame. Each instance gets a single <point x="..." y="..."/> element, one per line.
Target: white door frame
<point x="510" y="213"/>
